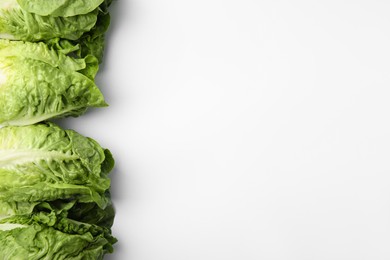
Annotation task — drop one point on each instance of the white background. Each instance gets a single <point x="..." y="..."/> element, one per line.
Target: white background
<point x="248" y="130"/>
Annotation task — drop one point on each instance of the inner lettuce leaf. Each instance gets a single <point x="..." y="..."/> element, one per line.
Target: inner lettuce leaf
<point x="38" y="82"/>
<point x="43" y="162"/>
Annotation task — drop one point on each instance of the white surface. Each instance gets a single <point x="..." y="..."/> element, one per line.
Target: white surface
<point x="248" y="129"/>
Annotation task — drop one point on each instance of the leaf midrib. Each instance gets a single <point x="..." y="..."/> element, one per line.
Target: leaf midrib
<point x="20" y="156"/>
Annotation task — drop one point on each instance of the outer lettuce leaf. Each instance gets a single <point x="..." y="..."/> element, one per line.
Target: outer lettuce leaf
<point x="73" y="49"/>
<point x="18" y="24"/>
<point x="42" y="20"/>
<point x="41" y="52"/>
<point x="93" y="214"/>
<point x="35" y="241"/>
<point x="91" y="44"/>
<point x="86" y="224"/>
<point x="55" y="208"/>
<point x="38" y="83"/>
<point x="49" y="212"/>
<point x="58" y="215"/>
<point x="46" y="163"/>
<point x="63" y="8"/>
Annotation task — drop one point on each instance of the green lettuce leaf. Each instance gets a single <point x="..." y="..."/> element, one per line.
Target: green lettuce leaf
<point x="63" y="8"/>
<point x="89" y="46"/>
<point x="18" y="23"/>
<point x="35" y="241"/>
<point x="42" y="20"/>
<point x="93" y="42"/>
<point x="67" y="220"/>
<point x="48" y="212"/>
<point x="38" y="83"/>
<point x="46" y="163"/>
<point x="67" y="217"/>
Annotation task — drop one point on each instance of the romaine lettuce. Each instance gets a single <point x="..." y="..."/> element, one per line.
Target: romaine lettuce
<point x="91" y="43"/>
<point x="54" y="186"/>
<point x="38" y="83"/>
<point x="31" y="21"/>
<point x="54" y="194"/>
<point x="43" y="162"/>
<point x="65" y="219"/>
<point x="36" y="241"/>
<point x="63" y="8"/>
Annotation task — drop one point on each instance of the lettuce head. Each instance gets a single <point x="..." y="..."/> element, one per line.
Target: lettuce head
<point x="43" y="162"/>
<point x="35" y="241"/>
<point x="55" y="230"/>
<point x="37" y="20"/>
<point x="54" y="194"/>
<point x="38" y="83"/>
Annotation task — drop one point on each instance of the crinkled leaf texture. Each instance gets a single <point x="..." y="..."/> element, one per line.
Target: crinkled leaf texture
<point x="43" y="162"/>
<point x="65" y="223"/>
<point x="90" y="44"/>
<point x="17" y="24"/>
<point x="63" y="8"/>
<point x="54" y="194"/>
<point x="93" y="42"/>
<point x="49" y="212"/>
<point x="38" y="82"/>
<point x="35" y="241"/>
<point x="32" y="20"/>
